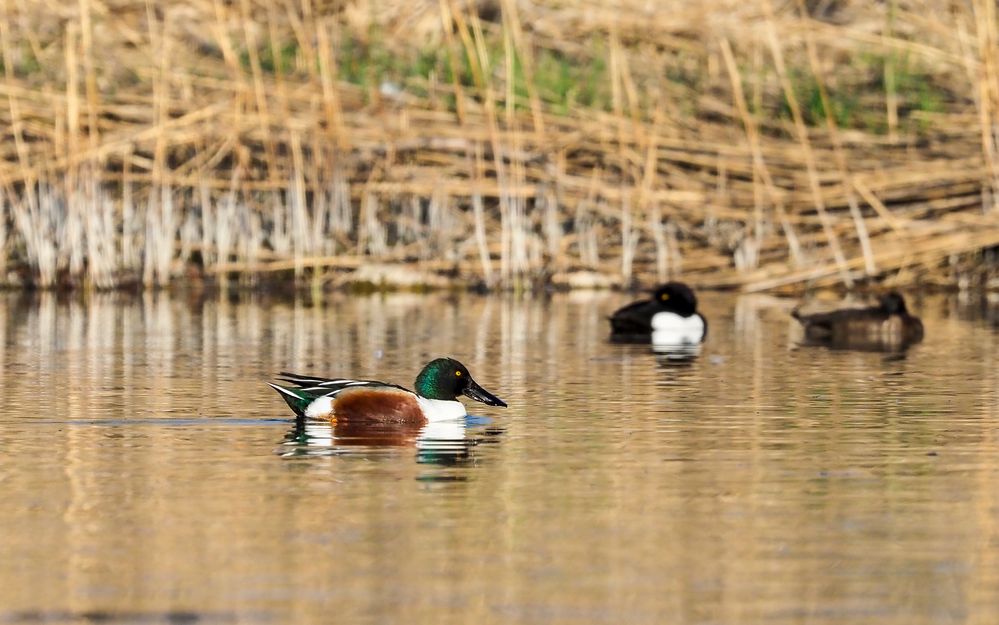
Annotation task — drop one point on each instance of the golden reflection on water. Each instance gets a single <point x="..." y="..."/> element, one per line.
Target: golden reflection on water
<point x="148" y="472"/>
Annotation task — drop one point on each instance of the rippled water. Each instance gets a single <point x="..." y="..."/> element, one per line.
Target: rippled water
<point x="148" y="475"/>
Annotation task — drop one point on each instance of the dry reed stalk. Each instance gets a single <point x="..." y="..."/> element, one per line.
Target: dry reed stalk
<point x="160" y="234"/>
<point x="759" y="163"/>
<point x="38" y="240"/>
<point x="4" y="235"/>
<point x="211" y="252"/>
<point x="659" y="238"/>
<point x="806" y="148"/>
<point x="69" y="229"/>
<point x="251" y="241"/>
<point x="260" y="97"/>
<point x="341" y="218"/>
<point x="131" y="255"/>
<point x="837" y="146"/>
<point x="481" y="241"/>
<point x="280" y="235"/>
<point x="301" y="224"/>
<point x="438" y="221"/>
<point x="987" y="34"/>
<point x="411" y="227"/>
<point x="158" y="239"/>
<point x="551" y="228"/>
<point x="225" y="229"/>
<point x="13" y="102"/>
<point x="475" y="50"/>
<point x="447" y="19"/>
<point x="512" y="28"/>
<point x="478" y="210"/>
<point x="585" y="227"/>
<point x="100" y="232"/>
<point x="629" y="241"/>
<point x="891" y="94"/>
<point x="274" y="45"/>
<point x="327" y="73"/>
<point x="676" y="261"/>
<point x="90" y="73"/>
<point x="372" y="239"/>
<point x="72" y="104"/>
<point x="515" y="205"/>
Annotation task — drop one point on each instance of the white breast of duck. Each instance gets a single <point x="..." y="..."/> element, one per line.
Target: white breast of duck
<point x="669" y="328"/>
<point x="441" y="409"/>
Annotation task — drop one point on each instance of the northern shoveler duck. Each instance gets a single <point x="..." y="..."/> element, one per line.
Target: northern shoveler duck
<point x="437" y="389"/>
<point x="670" y="317"/>
<point x="888" y="325"/>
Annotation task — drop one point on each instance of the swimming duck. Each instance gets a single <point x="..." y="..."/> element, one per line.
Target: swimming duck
<point x="885" y="326"/>
<point x="670" y="317"/>
<point x="436" y="398"/>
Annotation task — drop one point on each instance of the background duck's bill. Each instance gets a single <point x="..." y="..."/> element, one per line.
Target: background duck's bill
<point x="478" y="393"/>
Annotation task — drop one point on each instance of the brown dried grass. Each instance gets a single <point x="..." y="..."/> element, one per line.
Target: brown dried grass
<point x="143" y="137"/>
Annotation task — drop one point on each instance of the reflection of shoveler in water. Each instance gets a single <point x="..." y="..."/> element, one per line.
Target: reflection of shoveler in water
<point x="343" y="436"/>
<point x="888" y="325"/>
<point x="437" y="389"/>
<point x="669" y="317"/>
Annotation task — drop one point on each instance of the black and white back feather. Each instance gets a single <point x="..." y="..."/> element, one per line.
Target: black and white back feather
<point x="329" y="387"/>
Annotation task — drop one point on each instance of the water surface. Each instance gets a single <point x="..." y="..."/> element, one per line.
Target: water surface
<point x="149" y="476"/>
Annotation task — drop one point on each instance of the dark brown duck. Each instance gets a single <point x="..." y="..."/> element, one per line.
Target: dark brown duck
<point x="889" y="325"/>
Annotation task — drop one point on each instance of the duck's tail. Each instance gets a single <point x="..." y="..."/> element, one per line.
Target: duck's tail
<point x="301" y="380"/>
<point x="293" y="398"/>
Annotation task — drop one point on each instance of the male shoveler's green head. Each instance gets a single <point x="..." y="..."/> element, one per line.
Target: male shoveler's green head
<point x="446" y="378"/>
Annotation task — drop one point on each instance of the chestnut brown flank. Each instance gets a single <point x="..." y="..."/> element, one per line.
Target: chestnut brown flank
<point x="377" y="405"/>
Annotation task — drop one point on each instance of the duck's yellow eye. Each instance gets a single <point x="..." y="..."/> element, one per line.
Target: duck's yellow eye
<point x="457" y="373"/>
<point x="664" y="297"/>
